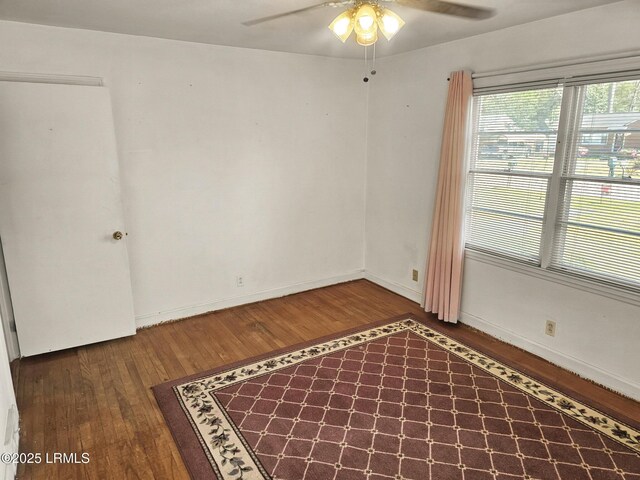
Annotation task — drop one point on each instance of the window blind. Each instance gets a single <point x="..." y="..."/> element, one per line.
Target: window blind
<point x="597" y="233"/>
<point x="554" y="176"/>
<point x="611" y="67"/>
<point x="512" y="159"/>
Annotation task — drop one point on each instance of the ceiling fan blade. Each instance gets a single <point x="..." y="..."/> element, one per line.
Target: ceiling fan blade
<point x="250" y="23"/>
<point x="448" y="8"/>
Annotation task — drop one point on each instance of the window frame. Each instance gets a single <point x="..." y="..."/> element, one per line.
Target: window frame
<point x="567" y="136"/>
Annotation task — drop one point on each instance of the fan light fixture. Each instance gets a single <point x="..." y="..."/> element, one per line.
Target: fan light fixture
<point x="365" y="19"/>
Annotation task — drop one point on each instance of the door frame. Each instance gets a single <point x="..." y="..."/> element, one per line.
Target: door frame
<point x="6" y="312"/>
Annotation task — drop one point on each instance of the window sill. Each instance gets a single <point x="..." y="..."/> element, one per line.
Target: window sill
<point x="620" y="294"/>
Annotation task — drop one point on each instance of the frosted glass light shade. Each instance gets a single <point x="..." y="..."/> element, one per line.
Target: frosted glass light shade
<point x="390" y="23"/>
<point x="342" y="25"/>
<point x="365" y="20"/>
<point x="366" y="39"/>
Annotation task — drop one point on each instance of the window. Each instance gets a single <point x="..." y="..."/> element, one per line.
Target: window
<point x="554" y="178"/>
<point x="512" y="164"/>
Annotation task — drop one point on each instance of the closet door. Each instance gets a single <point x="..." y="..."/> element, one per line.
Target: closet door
<point x="61" y="221"/>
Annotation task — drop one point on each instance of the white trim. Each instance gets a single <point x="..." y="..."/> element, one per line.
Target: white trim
<point x="575" y="365"/>
<point x="553" y="203"/>
<point x="10" y="337"/>
<point x="51" y="78"/>
<point x="6" y="313"/>
<point x="10" y="470"/>
<point x="148" y="319"/>
<point x="413" y="295"/>
<point x="11" y="441"/>
<point x="620" y="294"/>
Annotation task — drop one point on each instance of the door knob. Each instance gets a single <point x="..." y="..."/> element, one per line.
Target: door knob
<point x="117" y="235"/>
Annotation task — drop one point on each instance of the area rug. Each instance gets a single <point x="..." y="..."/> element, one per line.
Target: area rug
<point x="397" y="400"/>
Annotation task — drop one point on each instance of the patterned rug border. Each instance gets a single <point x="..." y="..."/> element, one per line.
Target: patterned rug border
<point x="193" y="447"/>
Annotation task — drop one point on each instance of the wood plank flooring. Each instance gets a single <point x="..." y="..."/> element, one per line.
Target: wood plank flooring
<point x="97" y="399"/>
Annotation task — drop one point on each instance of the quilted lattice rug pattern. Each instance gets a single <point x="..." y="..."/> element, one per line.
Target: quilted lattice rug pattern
<point x="394" y="401"/>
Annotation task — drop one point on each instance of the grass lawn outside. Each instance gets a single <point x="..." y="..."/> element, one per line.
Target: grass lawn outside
<point x="600" y="225"/>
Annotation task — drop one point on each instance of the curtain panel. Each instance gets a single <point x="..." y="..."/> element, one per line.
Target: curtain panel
<point x="446" y="249"/>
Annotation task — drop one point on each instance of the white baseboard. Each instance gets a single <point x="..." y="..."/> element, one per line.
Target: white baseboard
<point x="149" y="319"/>
<point x="406" y="292"/>
<point x="575" y="365"/>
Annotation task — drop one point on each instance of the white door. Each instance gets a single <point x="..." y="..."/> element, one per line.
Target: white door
<point x="59" y="208"/>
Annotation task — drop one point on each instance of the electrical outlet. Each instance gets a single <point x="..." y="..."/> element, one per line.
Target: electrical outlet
<point x="239" y="282"/>
<point x="550" y="328"/>
<point x="414" y="275"/>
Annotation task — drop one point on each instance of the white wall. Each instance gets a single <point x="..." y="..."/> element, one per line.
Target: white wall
<point x="7" y="401"/>
<point x="596" y="336"/>
<point x="243" y="162"/>
<point x="235" y="162"/>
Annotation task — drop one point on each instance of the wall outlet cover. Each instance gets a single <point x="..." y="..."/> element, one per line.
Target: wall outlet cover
<point x="550" y="328"/>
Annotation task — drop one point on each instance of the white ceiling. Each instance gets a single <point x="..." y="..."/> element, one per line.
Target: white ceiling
<point x="219" y="22"/>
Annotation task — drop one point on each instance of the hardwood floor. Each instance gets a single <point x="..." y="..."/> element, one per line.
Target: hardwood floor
<point x="97" y="399"/>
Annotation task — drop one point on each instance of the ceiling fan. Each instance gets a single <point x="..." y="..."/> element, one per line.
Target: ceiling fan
<point x="366" y="16"/>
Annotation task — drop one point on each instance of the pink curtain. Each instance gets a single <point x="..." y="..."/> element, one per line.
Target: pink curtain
<point x="446" y="251"/>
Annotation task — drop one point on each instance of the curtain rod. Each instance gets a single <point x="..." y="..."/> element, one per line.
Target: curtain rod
<point x="561" y="63"/>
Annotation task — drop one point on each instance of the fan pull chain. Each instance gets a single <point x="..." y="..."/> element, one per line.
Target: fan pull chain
<point x="366" y="64"/>
<point x="373" y="65"/>
<point x="365" y="79"/>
